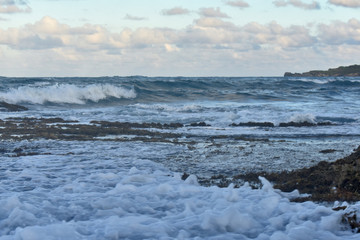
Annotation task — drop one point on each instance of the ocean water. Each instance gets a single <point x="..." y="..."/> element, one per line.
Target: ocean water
<point x="117" y="187"/>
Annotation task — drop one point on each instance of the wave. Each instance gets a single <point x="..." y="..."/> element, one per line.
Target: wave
<point x="341" y="81"/>
<point x="302" y="118"/>
<point x="187" y="108"/>
<point x="65" y="93"/>
<point x="182" y="89"/>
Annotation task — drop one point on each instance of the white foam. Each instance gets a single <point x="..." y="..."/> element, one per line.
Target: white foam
<point x="316" y="80"/>
<point x="186" y="108"/>
<point x="65" y="93"/>
<point x="149" y="202"/>
<point x="301" y="118"/>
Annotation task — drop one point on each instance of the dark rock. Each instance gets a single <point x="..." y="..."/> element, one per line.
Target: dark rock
<point x="185" y="176"/>
<point x="327" y="151"/>
<point x="352" y="220"/>
<point x="297" y="124"/>
<point x="53" y="128"/>
<point x="199" y="124"/>
<point x="11" y="107"/>
<point x="18" y="150"/>
<point x="339" y="180"/>
<point x="326" y="181"/>
<point x="137" y="125"/>
<point x="304" y="124"/>
<point x="253" y="124"/>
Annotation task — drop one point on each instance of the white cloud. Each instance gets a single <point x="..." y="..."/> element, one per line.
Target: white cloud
<point x="340" y="33"/>
<point x="14" y="6"/>
<point x="297" y="3"/>
<point x="207" y="32"/>
<point x="175" y="11"/>
<point x="171" y="48"/>
<point x="239" y="4"/>
<point x="48" y="25"/>
<point x="346" y="3"/>
<point x="48" y="33"/>
<point x="208" y="22"/>
<point x="213" y="12"/>
<point x="134" y="18"/>
<point x="210" y="44"/>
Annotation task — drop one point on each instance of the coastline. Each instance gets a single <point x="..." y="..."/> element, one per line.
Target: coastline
<point x="348" y="71"/>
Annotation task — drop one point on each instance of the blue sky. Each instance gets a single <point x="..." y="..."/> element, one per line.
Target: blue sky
<point x="176" y="38"/>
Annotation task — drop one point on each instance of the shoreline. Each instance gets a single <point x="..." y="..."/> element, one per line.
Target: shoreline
<point x="326" y="181"/>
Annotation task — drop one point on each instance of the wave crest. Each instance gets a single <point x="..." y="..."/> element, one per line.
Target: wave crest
<point x="66" y="93"/>
<point x="301" y="118"/>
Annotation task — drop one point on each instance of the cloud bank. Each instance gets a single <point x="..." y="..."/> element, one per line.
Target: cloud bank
<point x="297" y="3"/>
<point x="210" y="46"/>
<point x="346" y="3"/>
<point x="175" y="11"/>
<point x="238" y="4"/>
<point x="12" y="6"/>
<point x="134" y="18"/>
<point x="212" y="13"/>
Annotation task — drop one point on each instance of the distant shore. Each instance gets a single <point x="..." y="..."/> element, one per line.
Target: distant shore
<point x="348" y="71"/>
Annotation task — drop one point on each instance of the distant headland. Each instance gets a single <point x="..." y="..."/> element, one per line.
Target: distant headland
<point x="348" y="71"/>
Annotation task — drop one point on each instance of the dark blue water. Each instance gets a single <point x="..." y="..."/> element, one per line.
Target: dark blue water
<point x="189" y="89"/>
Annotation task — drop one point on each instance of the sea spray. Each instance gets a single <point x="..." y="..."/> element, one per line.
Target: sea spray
<point x="65" y="93"/>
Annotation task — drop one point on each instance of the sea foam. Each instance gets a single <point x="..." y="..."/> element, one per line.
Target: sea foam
<point x="301" y="118"/>
<point x="65" y="93"/>
<point x="156" y="204"/>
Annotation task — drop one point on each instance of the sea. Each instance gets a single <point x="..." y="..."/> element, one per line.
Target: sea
<point x="124" y="187"/>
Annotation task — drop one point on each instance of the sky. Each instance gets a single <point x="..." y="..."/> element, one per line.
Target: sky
<point x="64" y="38"/>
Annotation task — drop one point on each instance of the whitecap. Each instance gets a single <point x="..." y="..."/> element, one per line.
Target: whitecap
<point x="65" y="93"/>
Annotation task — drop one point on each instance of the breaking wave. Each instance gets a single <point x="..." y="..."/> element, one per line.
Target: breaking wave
<point x="301" y="118"/>
<point x="65" y="93"/>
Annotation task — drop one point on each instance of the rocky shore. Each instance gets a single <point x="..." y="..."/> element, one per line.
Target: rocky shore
<point x="59" y="129"/>
<point x="348" y="71"/>
<point x="326" y="181"/>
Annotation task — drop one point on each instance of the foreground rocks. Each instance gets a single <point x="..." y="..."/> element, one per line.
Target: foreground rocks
<point x="326" y="181"/>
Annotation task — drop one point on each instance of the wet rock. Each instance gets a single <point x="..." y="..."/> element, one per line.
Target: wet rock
<point x="23" y="154"/>
<point x="185" y="176"/>
<point x="351" y="220"/>
<point x="60" y="129"/>
<point x="137" y="125"/>
<point x="253" y="124"/>
<point x="200" y="124"/>
<point x="327" y="181"/>
<point x="27" y="120"/>
<point x="325" y="151"/>
<point x="304" y="124"/>
<point x="7" y="107"/>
